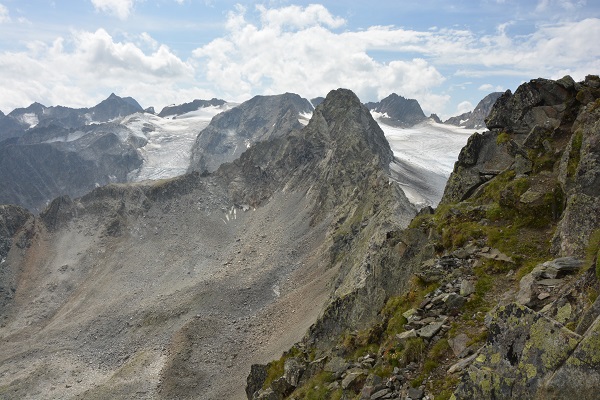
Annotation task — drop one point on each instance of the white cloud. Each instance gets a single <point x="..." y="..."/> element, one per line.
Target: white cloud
<point x="295" y="49"/>
<point x="118" y="8"/>
<point x="87" y="66"/>
<point x="4" y="14"/>
<point x="486" y="87"/>
<point x="464" y="107"/>
<point x="566" y="5"/>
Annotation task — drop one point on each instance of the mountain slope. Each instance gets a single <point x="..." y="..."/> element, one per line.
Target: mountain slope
<point x="173" y="289"/>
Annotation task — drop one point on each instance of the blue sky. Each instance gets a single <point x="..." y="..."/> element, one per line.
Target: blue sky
<point x="447" y="55"/>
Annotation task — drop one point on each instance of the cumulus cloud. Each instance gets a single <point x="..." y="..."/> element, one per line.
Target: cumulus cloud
<point x="80" y="70"/>
<point x="306" y="50"/>
<point x="118" y="8"/>
<point x="464" y="106"/>
<point x="298" y="49"/>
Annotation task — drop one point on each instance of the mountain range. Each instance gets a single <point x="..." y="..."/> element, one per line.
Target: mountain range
<point x="310" y="265"/>
<point x="117" y="141"/>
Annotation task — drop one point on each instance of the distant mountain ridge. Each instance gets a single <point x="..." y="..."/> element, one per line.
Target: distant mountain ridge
<point x="188" y="107"/>
<point x="18" y="121"/>
<point x="476" y="119"/>
<point x="398" y="111"/>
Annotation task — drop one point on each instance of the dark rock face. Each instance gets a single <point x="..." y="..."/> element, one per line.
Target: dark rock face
<point x="399" y="111"/>
<point x="188" y="107"/>
<point x="476" y="119"/>
<point x="230" y="133"/>
<point x="14" y="229"/>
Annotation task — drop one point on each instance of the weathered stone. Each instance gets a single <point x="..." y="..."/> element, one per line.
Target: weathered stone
<point x="458" y="344"/>
<point x="337" y="365"/>
<point x="580" y="374"/>
<point x="406" y="335"/>
<point x="495" y="254"/>
<point x="526" y="290"/>
<point x="466" y="288"/>
<point x="409" y="313"/>
<point x="353" y="381"/>
<point x="561" y="266"/>
<point x="453" y="303"/>
<point x="531" y="196"/>
<point x="524" y="348"/>
<point x="522" y="165"/>
<point x="415" y="393"/>
<point x="256" y="379"/>
<point x="380" y="394"/>
<point x="429" y="331"/>
<point x="543" y="296"/>
<point x="282" y="387"/>
<point x="462" y="364"/>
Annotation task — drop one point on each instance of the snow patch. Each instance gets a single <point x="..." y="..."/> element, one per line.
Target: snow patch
<point x="30" y="119"/>
<point x="304" y="118"/>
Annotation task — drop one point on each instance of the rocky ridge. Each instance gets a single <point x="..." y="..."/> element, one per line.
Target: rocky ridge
<point x="503" y="299"/>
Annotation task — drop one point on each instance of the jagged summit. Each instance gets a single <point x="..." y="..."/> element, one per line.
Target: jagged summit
<point x="399" y="111"/>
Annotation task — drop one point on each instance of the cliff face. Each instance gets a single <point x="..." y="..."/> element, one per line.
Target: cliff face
<point x="497" y="288"/>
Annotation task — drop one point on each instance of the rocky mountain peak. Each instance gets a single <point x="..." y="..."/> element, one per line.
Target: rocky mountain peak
<point x="350" y="121"/>
<point x="496" y="301"/>
<point x="398" y="110"/>
<point x="232" y="132"/>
